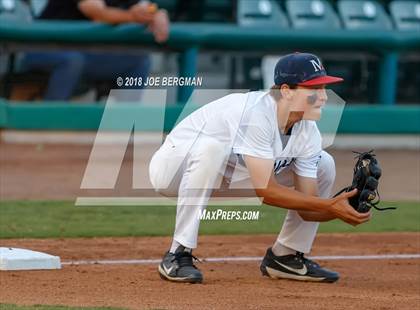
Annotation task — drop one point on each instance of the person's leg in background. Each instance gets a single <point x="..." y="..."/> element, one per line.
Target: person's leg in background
<point x="297" y="236"/>
<point x="110" y="66"/>
<point x="65" y="68"/>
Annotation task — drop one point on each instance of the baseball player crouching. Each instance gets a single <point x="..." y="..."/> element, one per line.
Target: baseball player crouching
<point x="276" y="145"/>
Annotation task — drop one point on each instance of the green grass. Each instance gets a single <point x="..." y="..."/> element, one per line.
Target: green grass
<point x="42" y="307"/>
<point x="52" y="219"/>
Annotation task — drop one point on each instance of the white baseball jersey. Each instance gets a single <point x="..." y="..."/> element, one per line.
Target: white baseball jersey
<point x="247" y="124"/>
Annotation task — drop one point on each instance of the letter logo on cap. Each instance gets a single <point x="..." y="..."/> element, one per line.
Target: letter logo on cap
<point x="317" y="65"/>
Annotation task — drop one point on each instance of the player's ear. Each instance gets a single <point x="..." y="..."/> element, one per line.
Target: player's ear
<point x="286" y="91"/>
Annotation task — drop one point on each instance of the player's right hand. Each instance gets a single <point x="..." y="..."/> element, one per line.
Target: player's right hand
<point x="343" y="210"/>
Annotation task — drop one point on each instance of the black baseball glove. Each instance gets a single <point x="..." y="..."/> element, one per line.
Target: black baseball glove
<point x="366" y="174"/>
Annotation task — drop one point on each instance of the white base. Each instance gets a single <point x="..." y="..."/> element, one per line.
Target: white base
<point x="21" y="259"/>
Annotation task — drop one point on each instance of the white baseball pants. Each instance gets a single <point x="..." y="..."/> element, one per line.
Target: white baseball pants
<point x="191" y="174"/>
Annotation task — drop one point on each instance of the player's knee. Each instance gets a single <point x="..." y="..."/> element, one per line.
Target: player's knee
<point x="153" y="173"/>
<point x="326" y="167"/>
<point x="159" y="176"/>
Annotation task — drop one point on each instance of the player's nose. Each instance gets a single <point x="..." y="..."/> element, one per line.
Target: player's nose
<point x="322" y="95"/>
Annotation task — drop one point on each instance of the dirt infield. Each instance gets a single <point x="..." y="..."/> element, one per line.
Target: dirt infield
<point x="364" y="284"/>
<point x="56" y="171"/>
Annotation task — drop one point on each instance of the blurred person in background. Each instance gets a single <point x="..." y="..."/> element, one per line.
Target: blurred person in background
<point x="67" y="67"/>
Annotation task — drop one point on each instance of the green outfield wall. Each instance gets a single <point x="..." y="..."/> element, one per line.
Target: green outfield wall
<point x="356" y="119"/>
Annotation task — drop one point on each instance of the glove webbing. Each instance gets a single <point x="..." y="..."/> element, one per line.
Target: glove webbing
<point x="371" y="204"/>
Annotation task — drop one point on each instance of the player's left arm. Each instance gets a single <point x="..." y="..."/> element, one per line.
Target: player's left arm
<point x="310" y="186"/>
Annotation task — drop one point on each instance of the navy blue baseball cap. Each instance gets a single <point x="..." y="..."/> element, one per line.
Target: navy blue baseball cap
<point x="302" y="69"/>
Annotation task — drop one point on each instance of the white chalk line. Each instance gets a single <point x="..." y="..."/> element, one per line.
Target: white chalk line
<point x="239" y="259"/>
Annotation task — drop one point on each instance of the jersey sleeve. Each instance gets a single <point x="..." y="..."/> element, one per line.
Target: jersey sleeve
<point x="306" y="164"/>
<point x="255" y="136"/>
<point x="307" y="167"/>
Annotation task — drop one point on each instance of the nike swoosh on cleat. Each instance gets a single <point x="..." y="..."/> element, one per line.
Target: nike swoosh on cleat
<point x="302" y="271"/>
<point x="168" y="270"/>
